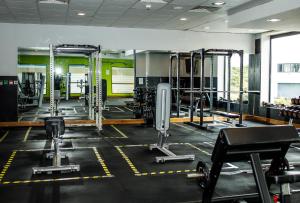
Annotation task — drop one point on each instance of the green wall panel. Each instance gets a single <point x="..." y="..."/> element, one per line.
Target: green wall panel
<point x="64" y="61"/>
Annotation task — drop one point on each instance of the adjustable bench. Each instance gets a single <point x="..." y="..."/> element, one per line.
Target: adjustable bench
<point x="253" y="144"/>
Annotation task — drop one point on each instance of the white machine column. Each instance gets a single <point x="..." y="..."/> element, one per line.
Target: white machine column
<point x="99" y="91"/>
<point x="90" y="83"/>
<point x="52" y="72"/>
<point x="162" y="123"/>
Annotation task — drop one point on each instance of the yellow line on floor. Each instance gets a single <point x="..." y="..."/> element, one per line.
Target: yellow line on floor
<point x="55" y="180"/>
<point x="129" y="162"/>
<point x="182" y="126"/>
<point x="101" y="161"/>
<point x="153" y="173"/>
<point x="7" y="165"/>
<point x="27" y="134"/>
<point x="119" y="131"/>
<point x="201" y="150"/>
<point x="4" y="136"/>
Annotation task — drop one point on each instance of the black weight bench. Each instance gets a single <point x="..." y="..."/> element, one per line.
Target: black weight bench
<point x="254" y="144"/>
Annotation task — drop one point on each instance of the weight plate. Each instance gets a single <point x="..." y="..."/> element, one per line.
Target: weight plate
<point x="204" y="171"/>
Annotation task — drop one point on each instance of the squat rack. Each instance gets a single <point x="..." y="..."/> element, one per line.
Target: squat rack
<point x="91" y="52"/>
<point x="202" y="53"/>
<point x="177" y="89"/>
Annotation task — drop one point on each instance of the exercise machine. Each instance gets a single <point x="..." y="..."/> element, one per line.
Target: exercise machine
<point x="202" y="54"/>
<point x="31" y="90"/>
<point x="95" y="102"/>
<point x="252" y="144"/>
<point x="162" y="123"/>
<point x="55" y="128"/>
<point x="144" y="104"/>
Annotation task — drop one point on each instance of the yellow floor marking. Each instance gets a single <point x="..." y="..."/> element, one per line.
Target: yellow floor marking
<point x="101" y="161"/>
<point x="27" y="134"/>
<point x="131" y="165"/>
<point x="135" y="170"/>
<point x="54" y="180"/>
<point x="182" y="126"/>
<point x="119" y="131"/>
<point x="201" y="150"/>
<point x="4" y="136"/>
<point x="7" y="165"/>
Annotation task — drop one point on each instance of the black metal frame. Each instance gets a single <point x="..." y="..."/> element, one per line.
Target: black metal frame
<point x="177" y="56"/>
<point x="215" y="52"/>
<point x="254" y="144"/>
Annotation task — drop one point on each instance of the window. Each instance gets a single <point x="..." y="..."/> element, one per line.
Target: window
<point x="122" y="80"/>
<point x="77" y="78"/>
<point x="235" y="76"/>
<point x="289" y="67"/>
<point x="285" y="68"/>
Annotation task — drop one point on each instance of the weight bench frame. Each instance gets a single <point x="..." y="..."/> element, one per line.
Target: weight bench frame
<point x="254" y="144"/>
<point x="56" y="128"/>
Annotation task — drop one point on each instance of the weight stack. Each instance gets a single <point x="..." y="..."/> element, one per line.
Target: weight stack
<point x="9" y="98"/>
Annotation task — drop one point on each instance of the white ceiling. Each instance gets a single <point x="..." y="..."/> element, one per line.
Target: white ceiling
<point x="127" y="13"/>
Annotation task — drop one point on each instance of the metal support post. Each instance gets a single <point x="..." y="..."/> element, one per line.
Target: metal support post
<point x="229" y="83"/>
<point x="134" y="64"/>
<point x="224" y="78"/>
<point x="178" y="84"/>
<point x="52" y="72"/>
<point x="202" y="86"/>
<point x="211" y="86"/>
<point x="192" y="88"/>
<point x="68" y="82"/>
<point x="41" y="92"/>
<point x="170" y="71"/>
<point x="260" y="179"/>
<point x="241" y="54"/>
<point x="99" y="91"/>
<point x="90" y="83"/>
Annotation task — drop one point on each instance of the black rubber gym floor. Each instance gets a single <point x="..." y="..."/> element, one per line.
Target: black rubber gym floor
<point x="116" y="166"/>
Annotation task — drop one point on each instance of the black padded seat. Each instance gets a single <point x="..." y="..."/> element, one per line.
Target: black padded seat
<point x="225" y="114"/>
<point x="285" y="177"/>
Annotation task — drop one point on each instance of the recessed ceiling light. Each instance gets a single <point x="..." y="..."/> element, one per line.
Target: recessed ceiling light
<point x="183" y="19"/>
<point x="226" y="21"/>
<point x="148" y="6"/>
<point x="273" y="20"/>
<point x="81" y="14"/>
<point x="206" y="27"/>
<point x="219" y="3"/>
<point x="178" y="7"/>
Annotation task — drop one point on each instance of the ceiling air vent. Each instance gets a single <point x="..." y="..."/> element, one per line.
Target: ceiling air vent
<point x="204" y="9"/>
<point x="56" y="2"/>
